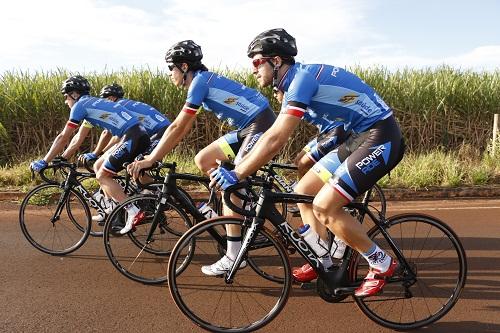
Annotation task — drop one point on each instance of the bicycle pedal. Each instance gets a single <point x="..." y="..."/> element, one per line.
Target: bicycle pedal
<point x="308" y="285"/>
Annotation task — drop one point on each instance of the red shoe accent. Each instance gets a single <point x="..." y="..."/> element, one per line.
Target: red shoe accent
<point x="375" y="281"/>
<point x="304" y="274"/>
<point x="138" y="219"/>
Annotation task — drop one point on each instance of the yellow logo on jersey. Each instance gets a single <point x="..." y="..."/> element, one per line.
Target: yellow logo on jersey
<point x="349" y="98"/>
<point x="231" y="100"/>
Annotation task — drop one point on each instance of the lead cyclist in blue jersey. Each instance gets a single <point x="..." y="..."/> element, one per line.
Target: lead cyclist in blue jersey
<point x="242" y="107"/>
<point x="318" y="93"/>
<point x="103" y="113"/>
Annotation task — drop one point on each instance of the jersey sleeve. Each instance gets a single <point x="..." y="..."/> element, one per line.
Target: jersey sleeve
<point x="299" y="94"/>
<point x="197" y="93"/>
<point x="76" y="115"/>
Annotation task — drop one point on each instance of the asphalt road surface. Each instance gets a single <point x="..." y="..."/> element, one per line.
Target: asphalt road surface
<point x="83" y="292"/>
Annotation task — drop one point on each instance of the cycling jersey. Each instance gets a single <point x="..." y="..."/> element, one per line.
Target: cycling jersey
<point x="103" y="113"/>
<point x="152" y="120"/>
<point x="227" y="99"/>
<point x="324" y="95"/>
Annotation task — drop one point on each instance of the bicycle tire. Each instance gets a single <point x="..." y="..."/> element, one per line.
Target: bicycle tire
<point x="62" y="236"/>
<point x="130" y="254"/>
<point x="256" y="297"/>
<point x="438" y="278"/>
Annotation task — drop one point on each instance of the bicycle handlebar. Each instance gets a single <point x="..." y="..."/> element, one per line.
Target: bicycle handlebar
<point x="56" y="164"/>
<point x="234" y="190"/>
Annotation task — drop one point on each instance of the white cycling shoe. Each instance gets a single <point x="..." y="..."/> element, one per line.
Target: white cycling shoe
<point x="222" y="266"/>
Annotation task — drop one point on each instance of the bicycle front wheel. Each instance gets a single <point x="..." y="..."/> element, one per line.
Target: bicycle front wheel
<point x="135" y="256"/>
<point x="434" y="253"/>
<point x="248" y="303"/>
<point x="47" y="224"/>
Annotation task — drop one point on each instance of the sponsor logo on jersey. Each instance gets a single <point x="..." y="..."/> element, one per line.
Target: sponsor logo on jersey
<point x="349" y="98"/>
<point x="104" y="116"/>
<point x="231" y="100"/>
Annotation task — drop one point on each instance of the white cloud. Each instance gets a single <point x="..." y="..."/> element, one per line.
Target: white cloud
<point x="97" y="34"/>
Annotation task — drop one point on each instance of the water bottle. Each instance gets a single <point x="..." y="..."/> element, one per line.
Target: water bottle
<point x="319" y="246"/>
<point x="207" y="211"/>
<point x="338" y="251"/>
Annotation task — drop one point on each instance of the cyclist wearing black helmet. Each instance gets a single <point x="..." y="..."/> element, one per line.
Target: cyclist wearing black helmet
<point x="103" y="113"/>
<point x="240" y="106"/>
<point x="153" y="121"/>
<point x="320" y="94"/>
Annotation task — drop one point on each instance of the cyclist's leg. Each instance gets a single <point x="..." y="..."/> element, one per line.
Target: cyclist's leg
<point x="134" y="142"/>
<point x="241" y="142"/>
<point x="223" y="149"/>
<point x="374" y="154"/>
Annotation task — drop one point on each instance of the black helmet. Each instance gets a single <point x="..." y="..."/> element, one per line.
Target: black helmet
<point x="186" y="51"/>
<point x="112" y="90"/>
<point x="76" y="83"/>
<point x="274" y="42"/>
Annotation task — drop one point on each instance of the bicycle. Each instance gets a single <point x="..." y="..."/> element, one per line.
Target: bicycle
<point x="66" y="205"/>
<point x="432" y="275"/>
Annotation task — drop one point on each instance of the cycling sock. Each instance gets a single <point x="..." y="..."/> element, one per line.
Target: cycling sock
<point x="132" y="210"/>
<point x="377" y="258"/>
<point x="233" y="246"/>
<point x="326" y="261"/>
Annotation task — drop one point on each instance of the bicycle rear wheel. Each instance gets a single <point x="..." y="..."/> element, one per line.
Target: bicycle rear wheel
<point x="46" y="223"/>
<point x="376" y="200"/>
<point x="438" y="259"/>
<point x="248" y="303"/>
<point x="131" y="254"/>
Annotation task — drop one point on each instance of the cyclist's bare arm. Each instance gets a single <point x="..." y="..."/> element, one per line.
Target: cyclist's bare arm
<point x="105" y="142"/>
<point x="76" y="142"/>
<point x="268" y="145"/>
<point x="59" y="143"/>
<point x="172" y="136"/>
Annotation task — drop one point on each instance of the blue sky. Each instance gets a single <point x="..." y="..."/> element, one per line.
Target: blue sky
<point x="93" y="35"/>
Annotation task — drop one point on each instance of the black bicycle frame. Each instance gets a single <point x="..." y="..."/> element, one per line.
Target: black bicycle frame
<point x="266" y="210"/>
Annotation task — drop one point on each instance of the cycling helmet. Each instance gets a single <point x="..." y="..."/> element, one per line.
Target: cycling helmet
<point x="76" y="83"/>
<point x="112" y="90"/>
<point x="186" y="51"/>
<point x="273" y="42"/>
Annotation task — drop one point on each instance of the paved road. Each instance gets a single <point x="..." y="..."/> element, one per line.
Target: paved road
<point x="83" y="291"/>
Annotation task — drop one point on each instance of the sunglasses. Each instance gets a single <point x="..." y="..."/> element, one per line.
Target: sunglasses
<point x="171" y="67"/>
<point x="258" y="62"/>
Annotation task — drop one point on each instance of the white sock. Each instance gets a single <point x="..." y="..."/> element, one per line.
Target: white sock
<point x="233" y="247"/>
<point x="326" y="261"/>
<point x="132" y="210"/>
<point x="377" y="258"/>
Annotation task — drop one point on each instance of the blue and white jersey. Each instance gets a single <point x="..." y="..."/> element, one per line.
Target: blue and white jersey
<point x="103" y="113"/>
<point x="152" y="120"/>
<point x="325" y="96"/>
<point x="227" y="99"/>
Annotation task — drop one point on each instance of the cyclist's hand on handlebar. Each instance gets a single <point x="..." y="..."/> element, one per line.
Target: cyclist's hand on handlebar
<point x="87" y="157"/>
<point x="38" y="165"/>
<point x="135" y="168"/>
<point x="223" y="178"/>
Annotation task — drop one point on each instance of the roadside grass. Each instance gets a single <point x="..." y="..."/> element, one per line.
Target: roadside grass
<point x="464" y="167"/>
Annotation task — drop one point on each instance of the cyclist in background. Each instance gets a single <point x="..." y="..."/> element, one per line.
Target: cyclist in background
<point x="152" y="120"/>
<point x="242" y="107"/>
<point x="313" y="93"/>
<point x="134" y="139"/>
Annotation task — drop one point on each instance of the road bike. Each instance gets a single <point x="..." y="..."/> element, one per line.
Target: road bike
<point x="432" y="272"/>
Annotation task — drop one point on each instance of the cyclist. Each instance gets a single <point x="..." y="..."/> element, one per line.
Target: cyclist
<point x="100" y="112"/>
<point x="152" y="120"/>
<point x="313" y="93"/>
<point x="242" y="107"/>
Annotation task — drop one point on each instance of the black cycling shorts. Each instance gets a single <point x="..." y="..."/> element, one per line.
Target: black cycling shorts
<point x="363" y="159"/>
<point x="135" y="141"/>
